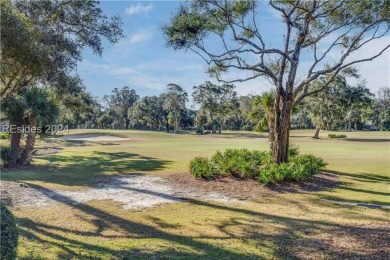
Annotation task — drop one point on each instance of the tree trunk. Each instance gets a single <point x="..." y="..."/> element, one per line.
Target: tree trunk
<point x="271" y="128"/>
<point x="317" y="133"/>
<point x="30" y="141"/>
<point x="176" y="123"/>
<point x="281" y="131"/>
<point x="212" y="124"/>
<point x="220" y="126"/>
<point x="167" y="124"/>
<point x="15" y="142"/>
<point x="15" y="146"/>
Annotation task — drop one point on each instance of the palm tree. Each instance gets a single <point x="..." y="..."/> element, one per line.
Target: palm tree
<point x="174" y="103"/>
<point x="265" y="101"/>
<point x="41" y="110"/>
<point x="13" y="109"/>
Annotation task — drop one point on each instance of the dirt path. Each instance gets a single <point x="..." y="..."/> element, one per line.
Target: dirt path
<point x="134" y="191"/>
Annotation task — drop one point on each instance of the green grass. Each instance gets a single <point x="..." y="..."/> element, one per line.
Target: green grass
<point x="282" y="226"/>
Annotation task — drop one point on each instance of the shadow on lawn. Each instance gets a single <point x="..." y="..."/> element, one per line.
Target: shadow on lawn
<point x="368" y="140"/>
<point x="87" y="170"/>
<point x="364" y="177"/>
<point x="238" y="135"/>
<point x="291" y="237"/>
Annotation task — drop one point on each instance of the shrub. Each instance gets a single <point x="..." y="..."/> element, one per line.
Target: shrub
<point x="293" y="151"/>
<point x="199" y="131"/>
<point x="5" y="155"/>
<point x="240" y="163"/>
<point x="274" y="172"/>
<point x="9" y="234"/>
<point x="337" y="136"/>
<point x="299" y="168"/>
<point x="4" y="135"/>
<point x="201" y="167"/>
<point x="244" y="163"/>
<point x="246" y="128"/>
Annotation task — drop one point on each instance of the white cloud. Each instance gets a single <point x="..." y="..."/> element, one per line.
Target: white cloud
<point x="139" y="8"/>
<point x="128" y="74"/>
<point x="376" y="72"/>
<point x="140" y="37"/>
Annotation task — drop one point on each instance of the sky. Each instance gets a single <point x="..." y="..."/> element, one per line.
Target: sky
<point x="142" y="62"/>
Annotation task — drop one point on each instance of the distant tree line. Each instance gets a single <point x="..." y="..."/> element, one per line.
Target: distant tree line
<point x="219" y="107"/>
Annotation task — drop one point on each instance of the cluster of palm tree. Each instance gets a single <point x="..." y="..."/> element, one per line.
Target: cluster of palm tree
<point x="28" y="113"/>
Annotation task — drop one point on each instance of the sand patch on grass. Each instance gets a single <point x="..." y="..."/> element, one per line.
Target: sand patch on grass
<point x="93" y="138"/>
<point x="134" y="191"/>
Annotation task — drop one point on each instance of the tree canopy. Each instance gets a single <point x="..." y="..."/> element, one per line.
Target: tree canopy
<point x="315" y="28"/>
<point x="42" y="41"/>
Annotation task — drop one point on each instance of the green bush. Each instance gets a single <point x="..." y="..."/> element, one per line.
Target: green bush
<point x="243" y="163"/>
<point x="299" y="168"/>
<point x="293" y="151"/>
<point x="274" y="172"/>
<point x="199" y="131"/>
<point x="9" y="234"/>
<point x="201" y="167"/>
<point x="310" y="163"/>
<point x="246" y="128"/>
<point x="240" y="163"/>
<point x="4" y="135"/>
<point x="5" y="155"/>
<point x="337" y="136"/>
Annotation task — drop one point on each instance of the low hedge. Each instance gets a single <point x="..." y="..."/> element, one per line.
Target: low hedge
<point x="244" y="163"/>
<point x="5" y="155"/>
<point x="337" y="136"/>
<point x="8" y="234"/>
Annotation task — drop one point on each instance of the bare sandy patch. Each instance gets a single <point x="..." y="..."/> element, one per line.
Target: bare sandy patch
<point x="93" y="138"/>
<point x="134" y="191"/>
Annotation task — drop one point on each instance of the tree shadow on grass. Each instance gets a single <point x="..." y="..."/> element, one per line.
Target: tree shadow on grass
<point x="318" y="182"/>
<point x="291" y="237"/>
<point x="364" y="177"/>
<point x="87" y="170"/>
<point x="367" y="140"/>
<point x="238" y="135"/>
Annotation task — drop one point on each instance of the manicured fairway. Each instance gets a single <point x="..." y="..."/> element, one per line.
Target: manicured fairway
<point x="286" y="225"/>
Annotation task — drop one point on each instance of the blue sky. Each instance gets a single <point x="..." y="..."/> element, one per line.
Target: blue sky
<point x="142" y="62"/>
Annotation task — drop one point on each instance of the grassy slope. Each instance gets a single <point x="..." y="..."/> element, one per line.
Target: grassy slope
<point x="272" y="227"/>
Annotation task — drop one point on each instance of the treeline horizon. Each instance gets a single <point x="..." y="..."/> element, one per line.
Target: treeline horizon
<point x="341" y="107"/>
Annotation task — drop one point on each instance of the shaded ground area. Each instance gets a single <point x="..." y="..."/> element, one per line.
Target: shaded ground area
<point x="98" y="230"/>
<point x="252" y="189"/>
<point x="138" y="191"/>
<point x="134" y="191"/>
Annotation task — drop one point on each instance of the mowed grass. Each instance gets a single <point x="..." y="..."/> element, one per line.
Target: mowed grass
<point x="282" y="226"/>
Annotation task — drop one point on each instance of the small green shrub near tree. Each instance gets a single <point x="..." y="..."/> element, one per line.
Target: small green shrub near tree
<point x="247" y="164"/>
<point x="299" y="168"/>
<point x="247" y="128"/>
<point x="241" y="163"/>
<point x="4" y="135"/>
<point x="5" y="155"/>
<point x="337" y="136"/>
<point x="201" y="167"/>
<point x="199" y="131"/>
<point x="9" y="234"/>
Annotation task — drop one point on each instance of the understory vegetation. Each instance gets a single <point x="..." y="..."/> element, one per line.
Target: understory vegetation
<point x="337" y="136"/>
<point x="253" y="164"/>
<point x="9" y="234"/>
